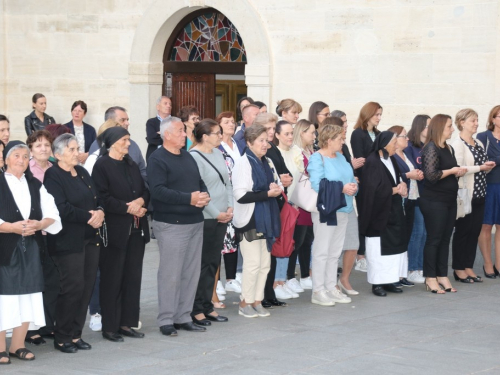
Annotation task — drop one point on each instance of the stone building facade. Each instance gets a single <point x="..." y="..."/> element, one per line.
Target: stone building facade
<point x="412" y="56"/>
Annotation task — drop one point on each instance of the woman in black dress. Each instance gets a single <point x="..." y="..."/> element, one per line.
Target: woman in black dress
<point x="121" y="187"/>
<point x="75" y="250"/>
<point x="25" y="209"/>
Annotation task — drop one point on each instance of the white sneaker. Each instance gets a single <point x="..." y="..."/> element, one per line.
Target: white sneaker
<point x="306" y="283"/>
<point x="361" y="265"/>
<point x="95" y="323"/>
<point x="233" y="286"/>
<point x="281" y="292"/>
<point x="294" y="285"/>
<point x="322" y="298"/>
<point x="338" y="297"/>
<point x="220" y="288"/>
<point x="221" y="297"/>
<point x="238" y="277"/>
<point x="290" y="291"/>
<point x="415" y="277"/>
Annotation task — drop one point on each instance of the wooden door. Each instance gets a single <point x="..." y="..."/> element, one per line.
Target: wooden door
<point x="196" y="89"/>
<point x="228" y="92"/>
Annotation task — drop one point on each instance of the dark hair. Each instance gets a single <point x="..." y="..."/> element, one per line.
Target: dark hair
<point x="417" y="127"/>
<point x="436" y="129"/>
<point x="238" y="109"/>
<point x="187" y="111"/>
<point x="204" y="127"/>
<point x="4" y="118"/>
<point x="494" y="111"/>
<point x="80" y="103"/>
<point x="260" y="104"/>
<point x="396" y="129"/>
<point x="367" y="112"/>
<point x="279" y="126"/>
<point x="253" y="132"/>
<point x="111" y="112"/>
<point x="314" y="109"/>
<point x="38" y="135"/>
<point x="224" y="115"/>
<point x="37" y="96"/>
<point x="56" y="130"/>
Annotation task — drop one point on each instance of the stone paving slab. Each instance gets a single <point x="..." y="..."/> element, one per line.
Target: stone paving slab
<point x="416" y="332"/>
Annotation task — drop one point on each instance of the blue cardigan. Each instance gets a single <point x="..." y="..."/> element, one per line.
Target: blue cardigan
<point x="493" y="152"/>
<point x="88" y="133"/>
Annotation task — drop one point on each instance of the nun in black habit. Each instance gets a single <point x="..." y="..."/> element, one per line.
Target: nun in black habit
<point x="381" y="216"/>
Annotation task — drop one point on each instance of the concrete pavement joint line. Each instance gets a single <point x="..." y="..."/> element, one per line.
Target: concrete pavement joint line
<point x="485" y="370"/>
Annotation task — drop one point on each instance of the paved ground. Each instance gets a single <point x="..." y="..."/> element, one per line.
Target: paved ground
<point x="412" y="333"/>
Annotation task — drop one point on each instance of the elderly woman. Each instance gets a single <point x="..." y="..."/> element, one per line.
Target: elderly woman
<point x="381" y="214"/>
<point x="75" y="250"/>
<point x="228" y="125"/>
<point x="256" y="217"/>
<point x="38" y="119"/>
<point x="470" y="154"/>
<point x="85" y="133"/>
<point x="328" y="163"/>
<point x="40" y="145"/>
<point x="25" y="209"/>
<point x="207" y="137"/>
<point x="120" y="185"/>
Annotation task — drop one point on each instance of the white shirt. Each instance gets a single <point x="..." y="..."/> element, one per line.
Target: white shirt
<point x="21" y="193"/>
<point x="234" y="152"/>
<point x="294" y="161"/>
<point x="388" y="163"/>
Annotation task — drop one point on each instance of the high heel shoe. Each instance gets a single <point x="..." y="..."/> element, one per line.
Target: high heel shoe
<point x="435" y="291"/>
<point x="490" y="275"/>
<point x="466" y="280"/>
<point x="476" y="279"/>
<point x="496" y="271"/>
<point x="450" y="289"/>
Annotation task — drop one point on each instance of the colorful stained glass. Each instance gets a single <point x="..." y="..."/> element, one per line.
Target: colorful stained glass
<point x="209" y="37"/>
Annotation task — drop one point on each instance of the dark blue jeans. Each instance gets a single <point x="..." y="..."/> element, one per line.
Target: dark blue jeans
<point x="94" y="305"/>
<point x="417" y="242"/>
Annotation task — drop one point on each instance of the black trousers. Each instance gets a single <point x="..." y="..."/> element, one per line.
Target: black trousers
<point x="213" y="243"/>
<point x="439" y="220"/>
<point x="410" y="217"/>
<point x="77" y="272"/>
<point x="120" y="286"/>
<point x="467" y="231"/>
<point x="230" y="264"/>
<point x="303" y="237"/>
<point x="362" y="246"/>
<point x="269" y="289"/>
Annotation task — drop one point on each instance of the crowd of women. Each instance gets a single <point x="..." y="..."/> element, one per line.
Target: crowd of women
<point x="281" y="191"/>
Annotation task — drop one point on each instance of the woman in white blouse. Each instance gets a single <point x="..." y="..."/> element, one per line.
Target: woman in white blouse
<point x="228" y="125"/>
<point x="25" y="209"/>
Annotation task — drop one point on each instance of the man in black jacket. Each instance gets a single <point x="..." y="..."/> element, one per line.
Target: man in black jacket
<point x="164" y="108"/>
<point x="179" y="196"/>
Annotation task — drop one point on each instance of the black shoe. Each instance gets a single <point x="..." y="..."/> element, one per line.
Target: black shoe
<point x="168" y="330"/>
<point x="67" y="347"/>
<point x="466" y="280"/>
<point x="276" y="302"/>
<point x="35" y="341"/>
<point x="189" y="326"/>
<point x="476" y="279"/>
<point x="489" y="275"/>
<point x="130" y="332"/>
<point x="112" y="336"/>
<point x="378" y="291"/>
<point x="404" y="282"/>
<point x="398" y="284"/>
<point x="496" y="271"/>
<point x="218" y="318"/>
<point x="266" y="304"/>
<point x="391" y="288"/>
<point x="82" y="345"/>
<point x="202" y="322"/>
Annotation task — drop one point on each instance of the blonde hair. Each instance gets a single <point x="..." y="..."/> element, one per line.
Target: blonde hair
<point x="328" y="132"/>
<point x="463" y="115"/>
<point x="287" y="105"/>
<point x="111" y="123"/>
<point x="264" y="118"/>
<point x="301" y="127"/>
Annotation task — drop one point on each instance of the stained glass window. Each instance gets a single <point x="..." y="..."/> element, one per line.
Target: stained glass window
<point x="209" y="37"/>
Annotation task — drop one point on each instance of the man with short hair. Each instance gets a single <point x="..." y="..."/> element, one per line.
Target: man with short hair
<point x="164" y="109"/>
<point x="179" y="196"/>
<point x="4" y="129"/>
<point x="249" y="114"/>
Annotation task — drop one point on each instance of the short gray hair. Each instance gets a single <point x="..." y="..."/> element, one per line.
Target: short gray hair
<point x="161" y="97"/>
<point x="337" y="113"/>
<point x="166" y="124"/>
<point x="61" y="142"/>
<point x="16" y="147"/>
<point x="111" y="112"/>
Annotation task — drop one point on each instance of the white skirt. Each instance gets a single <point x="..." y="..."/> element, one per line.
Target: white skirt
<point x="384" y="269"/>
<point x="15" y="310"/>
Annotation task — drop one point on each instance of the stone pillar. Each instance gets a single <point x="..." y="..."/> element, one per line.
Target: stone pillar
<point x="258" y="81"/>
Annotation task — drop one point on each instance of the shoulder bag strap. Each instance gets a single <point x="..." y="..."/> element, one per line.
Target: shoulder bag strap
<point x="213" y="166"/>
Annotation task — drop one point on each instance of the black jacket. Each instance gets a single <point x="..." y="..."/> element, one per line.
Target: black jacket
<point x="361" y="145"/>
<point x="116" y="190"/>
<point x="88" y="133"/>
<point x="152" y="136"/>
<point x="33" y="123"/>
<point x="74" y="198"/>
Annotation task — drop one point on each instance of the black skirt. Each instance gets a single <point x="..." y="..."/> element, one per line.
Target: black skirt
<point x="24" y="275"/>
<point x="393" y="238"/>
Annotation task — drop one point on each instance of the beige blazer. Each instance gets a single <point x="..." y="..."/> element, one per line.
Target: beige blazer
<point x="466" y="159"/>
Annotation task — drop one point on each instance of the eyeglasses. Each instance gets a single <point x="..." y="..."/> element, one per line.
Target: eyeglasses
<point x="216" y="133"/>
<point x="324" y="114"/>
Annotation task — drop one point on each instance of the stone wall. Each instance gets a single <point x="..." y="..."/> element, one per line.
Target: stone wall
<point x="412" y="56"/>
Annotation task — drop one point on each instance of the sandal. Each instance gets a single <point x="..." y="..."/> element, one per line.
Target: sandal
<point x="35" y="340"/>
<point x="219" y="305"/>
<point x="4" y="355"/>
<point x="22" y="353"/>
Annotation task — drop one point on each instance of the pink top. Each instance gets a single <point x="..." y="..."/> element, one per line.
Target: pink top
<point x="38" y="171"/>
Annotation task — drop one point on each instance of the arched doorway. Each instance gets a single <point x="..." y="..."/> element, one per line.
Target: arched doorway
<point x="204" y="63"/>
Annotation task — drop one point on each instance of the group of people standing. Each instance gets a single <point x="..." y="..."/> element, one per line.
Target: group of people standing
<point x="262" y="193"/>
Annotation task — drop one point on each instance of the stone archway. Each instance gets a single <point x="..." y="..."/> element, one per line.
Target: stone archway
<point x="152" y="33"/>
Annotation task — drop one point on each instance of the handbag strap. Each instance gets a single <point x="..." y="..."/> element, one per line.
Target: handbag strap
<point x="213" y="166"/>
